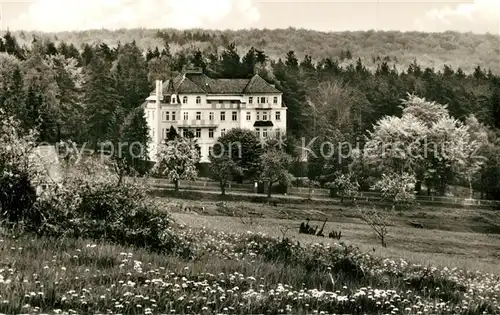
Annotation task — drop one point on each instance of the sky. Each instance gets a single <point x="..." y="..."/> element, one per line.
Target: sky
<point x="478" y="16"/>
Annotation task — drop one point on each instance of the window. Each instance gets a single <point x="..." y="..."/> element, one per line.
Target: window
<point x="264" y="132"/>
<point x="210" y="133"/>
<point x="209" y="102"/>
<point x="184" y="100"/>
<point x="264" y="116"/>
<point x="258" y="116"/>
<point x="163" y="133"/>
<point x="173" y="115"/>
<point x="278" y="134"/>
<point x="222" y="115"/>
<point x="198" y="133"/>
<point x="211" y="116"/>
<point x="275" y="100"/>
<point x="172" y="99"/>
<point x="210" y="149"/>
<point x="185" y="132"/>
<point x="167" y="116"/>
<point x="257" y="132"/>
<point x="235" y="116"/>
<point x="199" y="151"/>
<point x="186" y="116"/>
<point x="198" y="115"/>
<point x="250" y="100"/>
<point x="198" y="100"/>
<point x="222" y="132"/>
<point x="249" y="116"/>
<point x="263" y="100"/>
<point x="278" y="115"/>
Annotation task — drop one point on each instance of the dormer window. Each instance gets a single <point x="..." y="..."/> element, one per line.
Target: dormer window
<point x="184" y="100"/>
<point x="198" y="100"/>
<point x="172" y="99"/>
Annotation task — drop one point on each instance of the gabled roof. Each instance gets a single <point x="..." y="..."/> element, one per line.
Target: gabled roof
<point x="228" y="86"/>
<point x="186" y="85"/>
<point x="198" y="82"/>
<point x="258" y="85"/>
<point x="168" y="87"/>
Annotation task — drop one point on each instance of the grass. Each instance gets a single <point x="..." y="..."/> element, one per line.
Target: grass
<point x="231" y="273"/>
<point x="450" y="238"/>
<point x="241" y="265"/>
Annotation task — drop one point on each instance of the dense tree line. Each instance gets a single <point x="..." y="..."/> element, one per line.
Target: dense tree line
<point x="464" y="50"/>
<point x="90" y="93"/>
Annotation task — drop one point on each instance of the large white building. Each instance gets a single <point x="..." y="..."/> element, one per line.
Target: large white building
<point x="210" y="107"/>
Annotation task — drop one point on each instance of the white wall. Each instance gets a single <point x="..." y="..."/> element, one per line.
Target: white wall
<point x="215" y="106"/>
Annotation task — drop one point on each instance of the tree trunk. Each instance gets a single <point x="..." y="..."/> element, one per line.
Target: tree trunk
<point x="269" y="189"/>
<point x="176" y="183"/>
<point x="471" y="191"/>
<point x="442" y="188"/>
<point x="418" y="187"/>
<point x="223" y="188"/>
<point x="58" y="137"/>
<point x="120" y="178"/>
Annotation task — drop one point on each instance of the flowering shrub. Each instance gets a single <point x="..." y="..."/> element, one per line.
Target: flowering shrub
<point x="344" y="185"/>
<point x="398" y="189"/>
<point x="20" y="173"/>
<point x="90" y="205"/>
<point x="97" y="208"/>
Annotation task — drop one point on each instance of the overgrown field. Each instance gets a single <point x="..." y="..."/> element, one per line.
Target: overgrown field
<point x="464" y="219"/>
<point x="230" y="273"/>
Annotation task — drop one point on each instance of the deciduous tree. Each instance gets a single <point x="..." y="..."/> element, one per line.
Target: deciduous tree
<point x="177" y="161"/>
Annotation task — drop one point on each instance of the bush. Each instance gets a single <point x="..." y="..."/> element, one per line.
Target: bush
<point x="344" y="185"/>
<point x="87" y="204"/>
<point x="20" y="173"/>
<point x="397" y="189"/>
<point x="99" y="209"/>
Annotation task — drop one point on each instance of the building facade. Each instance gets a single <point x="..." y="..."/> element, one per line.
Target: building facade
<point x="210" y="107"/>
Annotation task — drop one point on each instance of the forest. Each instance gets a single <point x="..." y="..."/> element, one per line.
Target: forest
<point x="464" y="50"/>
<point x="89" y="91"/>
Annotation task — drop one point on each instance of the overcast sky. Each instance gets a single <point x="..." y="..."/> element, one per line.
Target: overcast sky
<point x="479" y="16"/>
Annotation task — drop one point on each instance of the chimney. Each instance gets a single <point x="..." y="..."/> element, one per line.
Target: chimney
<point x="158" y="98"/>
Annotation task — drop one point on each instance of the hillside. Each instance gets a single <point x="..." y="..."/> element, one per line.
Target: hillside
<point x="465" y="50"/>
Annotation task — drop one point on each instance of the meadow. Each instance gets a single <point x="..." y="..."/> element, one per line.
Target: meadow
<point x="251" y="260"/>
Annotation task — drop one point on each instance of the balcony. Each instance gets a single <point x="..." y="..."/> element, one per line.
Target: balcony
<point x="197" y="124"/>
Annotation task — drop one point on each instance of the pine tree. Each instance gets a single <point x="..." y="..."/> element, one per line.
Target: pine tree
<point x="11" y="46"/>
<point x="249" y="62"/>
<point x="198" y="61"/>
<point x="14" y="96"/>
<point x="172" y="134"/>
<point x="101" y="102"/>
<point x="291" y="61"/>
<point x="136" y="136"/>
<point x="131" y="76"/>
<point x="87" y="54"/>
<point x="230" y="66"/>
